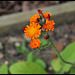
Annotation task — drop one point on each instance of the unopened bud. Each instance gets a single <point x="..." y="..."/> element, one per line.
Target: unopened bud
<point x="43" y="29"/>
<point x="46" y="37"/>
<point x="40" y="12"/>
<point x="38" y="20"/>
<point x="48" y="17"/>
<point x="23" y="28"/>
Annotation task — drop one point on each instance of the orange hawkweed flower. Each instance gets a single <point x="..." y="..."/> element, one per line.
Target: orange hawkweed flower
<point x="34" y="18"/>
<point x="47" y="15"/>
<point x="35" y="43"/>
<point x="49" y="25"/>
<point x="33" y="30"/>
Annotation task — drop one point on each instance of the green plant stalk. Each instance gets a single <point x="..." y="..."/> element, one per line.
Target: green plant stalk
<point x="44" y="47"/>
<point x="50" y="43"/>
<point x="60" y="55"/>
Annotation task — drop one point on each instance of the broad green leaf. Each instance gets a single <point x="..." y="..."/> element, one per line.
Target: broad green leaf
<point x="55" y="63"/>
<point x="43" y="42"/>
<point x="26" y="68"/>
<point x="4" y="69"/>
<point x="72" y="71"/>
<point x="68" y="54"/>
<point x="59" y="72"/>
<point x="41" y="63"/>
<point x="31" y="57"/>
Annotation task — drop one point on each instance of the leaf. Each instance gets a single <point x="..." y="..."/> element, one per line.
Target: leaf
<point x="41" y="63"/>
<point x="4" y="69"/>
<point x="72" y="71"/>
<point x="19" y="48"/>
<point x="55" y="63"/>
<point x="22" y="48"/>
<point x="31" y="57"/>
<point x="43" y="42"/>
<point x="68" y="54"/>
<point x="26" y="68"/>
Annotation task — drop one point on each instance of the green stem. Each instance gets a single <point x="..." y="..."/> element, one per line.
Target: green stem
<point x="60" y="55"/>
<point x="44" y="47"/>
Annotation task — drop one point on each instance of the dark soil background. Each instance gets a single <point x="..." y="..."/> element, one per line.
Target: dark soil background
<point x="62" y="36"/>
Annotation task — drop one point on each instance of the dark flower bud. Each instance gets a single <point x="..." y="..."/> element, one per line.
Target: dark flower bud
<point x="38" y="20"/>
<point x="48" y="17"/>
<point x="40" y="12"/>
<point x="46" y="37"/>
<point x="23" y="28"/>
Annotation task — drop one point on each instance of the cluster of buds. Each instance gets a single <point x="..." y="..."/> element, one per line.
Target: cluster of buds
<point x="39" y="23"/>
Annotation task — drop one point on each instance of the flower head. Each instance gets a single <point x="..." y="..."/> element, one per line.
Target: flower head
<point x="35" y="43"/>
<point x="33" y="30"/>
<point x="47" y="15"/>
<point x="49" y="25"/>
<point x="34" y="18"/>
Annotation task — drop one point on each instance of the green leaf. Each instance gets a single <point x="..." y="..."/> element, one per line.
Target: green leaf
<point x="31" y="57"/>
<point x="4" y="69"/>
<point x="43" y="42"/>
<point x="72" y="71"/>
<point x="19" y="48"/>
<point x="59" y="72"/>
<point x="55" y="63"/>
<point x="41" y="63"/>
<point x="22" y="48"/>
<point x="26" y="68"/>
<point x="68" y="54"/>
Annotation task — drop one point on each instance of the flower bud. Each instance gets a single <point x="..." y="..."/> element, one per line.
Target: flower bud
<point x="48" y="18"/>
<point x="40" y="12"/>
<point x="43" y="29"/>
<point x="38" y="20"/>
<point x="23" y="28"/>
<point x="46" y="37"/>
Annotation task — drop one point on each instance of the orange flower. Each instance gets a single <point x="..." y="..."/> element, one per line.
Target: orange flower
<point x="47" y="15"/>
<point x="49" y="25"/>
<point x="34" y="18"/>
<point x="33" y="30"/>
<point x="35" y="43"/>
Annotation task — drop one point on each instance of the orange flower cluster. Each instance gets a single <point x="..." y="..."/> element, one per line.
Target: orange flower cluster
<point x="33" y="30"/>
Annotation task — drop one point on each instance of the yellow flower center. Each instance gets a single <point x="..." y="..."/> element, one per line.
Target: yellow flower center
<point x="32" y="30"/>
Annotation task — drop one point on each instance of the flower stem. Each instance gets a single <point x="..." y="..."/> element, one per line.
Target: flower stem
<point x="46" y="46"/>
<point x="60" y="55"/>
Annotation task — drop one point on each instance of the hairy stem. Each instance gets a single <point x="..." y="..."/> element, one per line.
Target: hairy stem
<point x="60" y="55"/>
